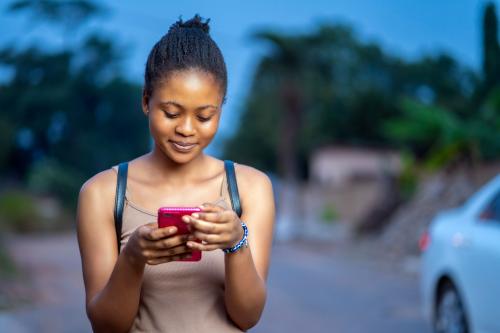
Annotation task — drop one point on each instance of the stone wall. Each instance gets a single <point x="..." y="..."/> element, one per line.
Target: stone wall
<point x="441" y="191"/>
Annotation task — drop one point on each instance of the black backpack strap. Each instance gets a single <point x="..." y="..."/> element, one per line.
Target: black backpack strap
<point x="121" y="187"/>
<point x="232" y="186"/>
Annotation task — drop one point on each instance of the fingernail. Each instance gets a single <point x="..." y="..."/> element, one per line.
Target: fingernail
<point x="172" y="230"/>
<point x="196" y="215"/>
<point x="185" y="219"/>
<point x="190" y="244"/>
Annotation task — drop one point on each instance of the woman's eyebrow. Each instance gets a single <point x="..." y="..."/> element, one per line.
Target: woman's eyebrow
<point x="165" y="103"/>
<point x="208" y="106"/>
<point x="199" y="108"/>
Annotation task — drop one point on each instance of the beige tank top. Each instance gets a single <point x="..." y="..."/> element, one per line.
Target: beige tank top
<point x="179" y="297"/>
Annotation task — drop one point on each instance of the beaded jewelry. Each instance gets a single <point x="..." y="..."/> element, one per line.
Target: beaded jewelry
<point x="242" y="242"/>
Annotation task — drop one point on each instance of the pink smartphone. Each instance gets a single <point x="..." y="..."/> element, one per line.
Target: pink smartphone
<point x="172" y="216"/>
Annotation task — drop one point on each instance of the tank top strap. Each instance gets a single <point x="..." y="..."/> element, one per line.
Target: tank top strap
<point x="115" y="169"/>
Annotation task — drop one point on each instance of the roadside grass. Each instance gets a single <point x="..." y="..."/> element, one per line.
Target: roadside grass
<point x="8" y="274"/>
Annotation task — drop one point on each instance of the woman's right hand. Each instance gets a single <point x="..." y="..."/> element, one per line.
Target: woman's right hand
<point x="151" y="245"/>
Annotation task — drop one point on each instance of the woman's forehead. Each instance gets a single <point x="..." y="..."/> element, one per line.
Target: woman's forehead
<point x="189" y="87"/>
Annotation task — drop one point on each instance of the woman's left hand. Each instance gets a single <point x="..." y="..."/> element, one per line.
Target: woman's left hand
<point x="215" y="227"/>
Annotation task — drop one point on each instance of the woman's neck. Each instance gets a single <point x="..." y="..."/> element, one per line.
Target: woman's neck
<point x="180" y="173"/>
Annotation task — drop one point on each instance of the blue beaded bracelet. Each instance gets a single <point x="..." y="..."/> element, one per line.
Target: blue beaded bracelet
<point x="242" y="242"/>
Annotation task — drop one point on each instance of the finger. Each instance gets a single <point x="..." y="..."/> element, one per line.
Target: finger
<point x="220" y="216"/>
<point x="209" y="238"/>
<point x="147" y="228"/>
<point x="181" y="249"/>
<point x="170" y="242"/>
<point x="148" y="244"/>
<point x="161" y="233"/>
<point x="168" y="259"/>
<point x="204" y="226"/>
<point x="203" y="247"/>
<point x="210" y="207"/>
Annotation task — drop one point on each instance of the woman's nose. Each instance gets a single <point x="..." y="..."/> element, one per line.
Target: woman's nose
<point x="185" y="127"/>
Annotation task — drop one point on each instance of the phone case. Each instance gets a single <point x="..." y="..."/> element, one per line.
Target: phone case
<point x="172" y="216"/>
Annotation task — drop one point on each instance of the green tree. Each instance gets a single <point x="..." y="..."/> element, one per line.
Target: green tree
<point x="328" y="87"/>
<point x="69" y="113"/>
<point x="432" y="133"/>
<point x="69" y="14"/>
<point x="491" y="48"/>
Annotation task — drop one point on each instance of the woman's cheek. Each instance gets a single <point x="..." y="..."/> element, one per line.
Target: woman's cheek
<point x="212" y="130"/>
<point x="158" y="128"/>
<point x="212" y="126"/>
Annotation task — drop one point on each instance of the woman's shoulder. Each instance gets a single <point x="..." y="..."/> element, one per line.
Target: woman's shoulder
<point x="251" y="181"/>
<point x="248" y="173"/>
<point x="102" y="185"/>
<point x="105" y="180"/>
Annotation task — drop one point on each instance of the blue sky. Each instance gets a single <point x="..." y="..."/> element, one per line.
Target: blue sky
<point x="405" y="27"/>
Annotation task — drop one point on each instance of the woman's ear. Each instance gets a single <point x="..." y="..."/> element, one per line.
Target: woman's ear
<point x="145" y="102"/>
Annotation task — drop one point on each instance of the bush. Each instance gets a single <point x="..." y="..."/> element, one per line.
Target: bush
<point x="50" y="177"/>
<point x="7" y="267"/>
<point x="18" y="211"/>
<point x="21" y="211"/>
<point x="408" y="178"/>
<point x="329" y="214"/>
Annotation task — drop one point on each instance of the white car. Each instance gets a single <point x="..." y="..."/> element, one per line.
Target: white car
<point x="460" y="275"/>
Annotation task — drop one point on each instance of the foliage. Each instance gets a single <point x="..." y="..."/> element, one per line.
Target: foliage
<point x="441" y="137"/>
<point x="72" y="14"/>
<point x="408" y="178"/>
<point x="430" y="131"/>
<point x="344" y="92"/>
<point x="67" y="114"/>
<point x="329" y="214"/>
<point x="491" y="48"/>
<point x="24" y="211"/>
<point x="50" y="177"/>
<point x="8" y="268"/>
<point x="18" y="211"/>
<point x="486" y="126"/>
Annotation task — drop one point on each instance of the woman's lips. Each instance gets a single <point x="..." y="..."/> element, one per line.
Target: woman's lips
<point x="182" y="147"/>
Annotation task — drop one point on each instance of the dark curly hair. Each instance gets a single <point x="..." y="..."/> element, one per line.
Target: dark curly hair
<point x="186" y="45"/>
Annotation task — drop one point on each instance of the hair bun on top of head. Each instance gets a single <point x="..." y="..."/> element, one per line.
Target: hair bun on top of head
<point x="195" y="23"/>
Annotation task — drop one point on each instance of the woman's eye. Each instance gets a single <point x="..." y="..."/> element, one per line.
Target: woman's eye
<point x="203" y="119"/>
<point x="170" y="115"/>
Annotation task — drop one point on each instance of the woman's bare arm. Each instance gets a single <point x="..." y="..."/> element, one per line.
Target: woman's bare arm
<point x="247" y="269"/>
<point x="112" y="282"/>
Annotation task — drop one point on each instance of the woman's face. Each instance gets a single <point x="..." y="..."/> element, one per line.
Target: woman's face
<point x="184" y="112"/>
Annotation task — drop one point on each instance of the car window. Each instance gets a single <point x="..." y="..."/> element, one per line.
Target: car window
<point x="492" y="210"/>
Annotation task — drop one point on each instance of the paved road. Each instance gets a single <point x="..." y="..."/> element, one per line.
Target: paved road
<point x="339" y="290"/>
<point x="311" y="289"/>
<point x="53" y="265"/>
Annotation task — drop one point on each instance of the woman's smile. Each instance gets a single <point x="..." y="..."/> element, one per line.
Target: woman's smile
<point x="182" y="147"/>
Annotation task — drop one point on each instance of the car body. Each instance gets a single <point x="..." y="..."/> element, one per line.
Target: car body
<point x="460" y="273"/>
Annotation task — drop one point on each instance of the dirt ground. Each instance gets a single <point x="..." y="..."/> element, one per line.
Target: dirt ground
<point x="311" y="287"/>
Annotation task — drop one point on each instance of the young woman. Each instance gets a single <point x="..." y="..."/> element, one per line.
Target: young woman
<point x="142" y="286"/>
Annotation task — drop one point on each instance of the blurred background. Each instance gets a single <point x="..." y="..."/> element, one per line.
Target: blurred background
<point x="369" y="117"/>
